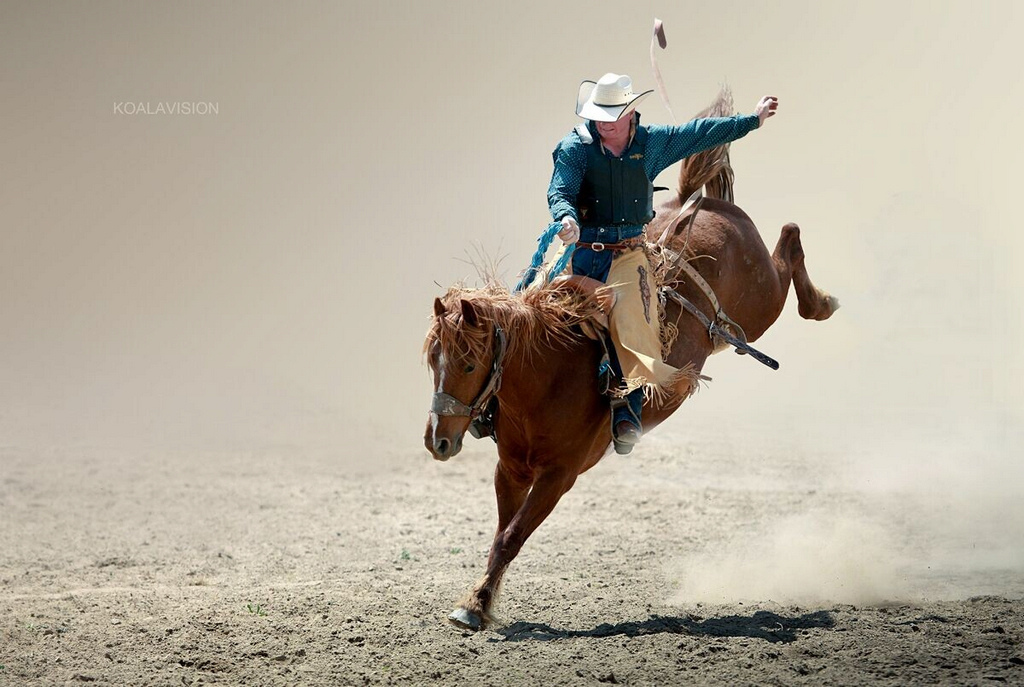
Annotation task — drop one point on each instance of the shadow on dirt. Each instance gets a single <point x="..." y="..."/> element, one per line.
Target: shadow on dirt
<point x="765" y="625"/>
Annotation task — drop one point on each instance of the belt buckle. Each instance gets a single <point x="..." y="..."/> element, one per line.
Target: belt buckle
<point x="597" y="246"/>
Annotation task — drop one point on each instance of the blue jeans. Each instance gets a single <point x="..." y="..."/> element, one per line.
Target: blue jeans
<point x="595" y="264"/>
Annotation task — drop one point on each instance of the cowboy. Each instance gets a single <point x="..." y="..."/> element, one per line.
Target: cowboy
<point x="602" y="193"/>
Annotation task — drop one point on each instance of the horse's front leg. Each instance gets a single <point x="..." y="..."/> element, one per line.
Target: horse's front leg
<point x="474" y="611"/>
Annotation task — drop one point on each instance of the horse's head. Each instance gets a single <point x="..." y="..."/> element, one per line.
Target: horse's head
<point x="464" y="353"/>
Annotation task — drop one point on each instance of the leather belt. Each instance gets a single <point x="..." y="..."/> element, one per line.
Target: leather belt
<point x="597" y="246"/>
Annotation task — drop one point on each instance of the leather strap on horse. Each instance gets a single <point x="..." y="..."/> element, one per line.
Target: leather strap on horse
<point x="714" y="330"/>
<point x="694" y="202"/>
<point x="720" y="315"/>
<point x="446" y="404"/>
<point x="683" y="264"/>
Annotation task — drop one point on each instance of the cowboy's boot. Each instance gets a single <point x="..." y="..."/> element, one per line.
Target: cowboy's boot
<point x="626" y="426"/>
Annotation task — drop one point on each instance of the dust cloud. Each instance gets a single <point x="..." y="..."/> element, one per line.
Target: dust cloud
<point x="882" y="522"/>
<point x="809" y="559"/>
<point x="900" y="417"/>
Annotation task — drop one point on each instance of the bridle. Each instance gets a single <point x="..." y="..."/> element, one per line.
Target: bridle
<point x="443" y="404"/>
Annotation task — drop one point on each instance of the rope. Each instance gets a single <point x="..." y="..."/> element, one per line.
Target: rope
<point x="543" y="243"/>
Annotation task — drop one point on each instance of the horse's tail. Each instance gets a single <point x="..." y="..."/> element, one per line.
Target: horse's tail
<point x="710" y="168"/>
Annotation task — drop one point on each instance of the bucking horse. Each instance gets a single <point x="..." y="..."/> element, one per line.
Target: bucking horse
<point x="531" y="351"/>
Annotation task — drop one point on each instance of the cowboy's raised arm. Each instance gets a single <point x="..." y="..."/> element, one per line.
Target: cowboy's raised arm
<point x="670" y="144"/>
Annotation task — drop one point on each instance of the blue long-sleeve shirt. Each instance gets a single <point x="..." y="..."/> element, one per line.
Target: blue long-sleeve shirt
<point x="666" y="145"/>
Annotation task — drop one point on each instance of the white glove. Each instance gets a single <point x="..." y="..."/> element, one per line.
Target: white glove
<point x="570" y="232"/>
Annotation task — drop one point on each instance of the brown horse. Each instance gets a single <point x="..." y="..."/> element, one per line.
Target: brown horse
<point x="552" y="423"/>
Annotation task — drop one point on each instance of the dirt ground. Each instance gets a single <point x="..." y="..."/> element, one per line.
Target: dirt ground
<point x="285" y="567"/>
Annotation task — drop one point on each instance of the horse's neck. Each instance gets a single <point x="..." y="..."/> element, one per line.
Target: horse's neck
<point x="532" y="377"/>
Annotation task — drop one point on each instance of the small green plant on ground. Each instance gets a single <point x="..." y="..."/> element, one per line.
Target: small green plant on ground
<point x="256" y="609"/>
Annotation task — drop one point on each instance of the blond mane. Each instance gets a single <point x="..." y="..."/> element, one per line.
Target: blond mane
<point x="533" y="318"/>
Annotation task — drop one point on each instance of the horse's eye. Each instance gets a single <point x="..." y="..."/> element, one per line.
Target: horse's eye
<point x="470" y="368"/>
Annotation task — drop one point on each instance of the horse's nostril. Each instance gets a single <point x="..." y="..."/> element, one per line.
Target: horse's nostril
<point x="442" y="446"/>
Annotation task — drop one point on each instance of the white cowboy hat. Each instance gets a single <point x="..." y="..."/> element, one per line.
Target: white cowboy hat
<point x="608" y="98"/>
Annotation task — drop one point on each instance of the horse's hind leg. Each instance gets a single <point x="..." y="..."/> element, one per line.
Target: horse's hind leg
<point x="812" y="302"/>
<point x="474" y="610"/>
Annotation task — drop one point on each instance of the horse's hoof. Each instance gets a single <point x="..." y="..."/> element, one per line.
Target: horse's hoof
<point x="467" y="620"/>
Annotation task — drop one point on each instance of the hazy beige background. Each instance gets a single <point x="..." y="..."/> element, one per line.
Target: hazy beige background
<point x="262" y="276"/>
<point x="260" y="279"/>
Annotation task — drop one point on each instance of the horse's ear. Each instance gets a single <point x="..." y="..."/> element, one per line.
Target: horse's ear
<point x="469" y="315"/>
<point x="439" y="309"/>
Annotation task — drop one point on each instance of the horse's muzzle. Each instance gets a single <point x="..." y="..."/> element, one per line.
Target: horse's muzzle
<point x="442" y="447"/>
